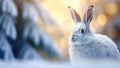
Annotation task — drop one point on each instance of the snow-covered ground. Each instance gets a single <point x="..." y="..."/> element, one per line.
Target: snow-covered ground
<point x="40" y="64"/>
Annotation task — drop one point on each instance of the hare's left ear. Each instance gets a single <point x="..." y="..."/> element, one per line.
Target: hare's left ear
<point x="75" y="16"/>
<point x="88" y="15"/>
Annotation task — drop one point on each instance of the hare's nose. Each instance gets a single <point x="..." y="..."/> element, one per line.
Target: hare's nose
<point x="74" y="38"/>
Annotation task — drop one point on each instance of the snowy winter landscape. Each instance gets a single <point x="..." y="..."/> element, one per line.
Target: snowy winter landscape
<point x="36" y="33"/>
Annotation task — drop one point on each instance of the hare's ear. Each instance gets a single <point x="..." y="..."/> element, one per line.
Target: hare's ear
<point x="75" y="16"/>
<point x="88" y="15"/>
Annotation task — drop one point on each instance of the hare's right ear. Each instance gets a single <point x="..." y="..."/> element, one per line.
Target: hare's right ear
<point x="75" y="16"/>
<point x="88" y="15"/>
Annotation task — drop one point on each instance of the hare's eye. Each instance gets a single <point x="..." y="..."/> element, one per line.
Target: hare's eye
<point x="81" y="30"/>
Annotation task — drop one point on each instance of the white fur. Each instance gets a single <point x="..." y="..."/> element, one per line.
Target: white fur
<point x="83" y="43"/>
<point x="96" y="46"/>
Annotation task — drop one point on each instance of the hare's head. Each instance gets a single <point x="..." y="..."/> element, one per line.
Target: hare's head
<point x="81" y="32"/>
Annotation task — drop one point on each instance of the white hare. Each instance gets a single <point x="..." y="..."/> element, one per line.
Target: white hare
<point x="83" y="43"/>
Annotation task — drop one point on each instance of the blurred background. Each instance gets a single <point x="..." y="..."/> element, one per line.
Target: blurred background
<point x="106" y="19"/>
<point x="40" y="29"/>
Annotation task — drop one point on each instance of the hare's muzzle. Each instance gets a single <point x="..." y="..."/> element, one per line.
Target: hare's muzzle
<point x="74" y="38"/>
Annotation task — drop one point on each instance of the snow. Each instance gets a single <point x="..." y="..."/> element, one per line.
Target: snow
<point x="7" y="24"/>
<point x="29" y="12"/>
<point x="5" y="49"/>
<point x="8" y="6"/>
<point x="42" y="64"/>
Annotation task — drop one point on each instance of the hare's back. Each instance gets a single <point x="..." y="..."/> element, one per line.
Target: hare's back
<point x="105" y="40"/>
<point x="108" y="46"/>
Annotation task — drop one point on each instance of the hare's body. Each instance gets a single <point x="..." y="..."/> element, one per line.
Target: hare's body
<point x="100" y="47"/>
<point x="85" y="44"/>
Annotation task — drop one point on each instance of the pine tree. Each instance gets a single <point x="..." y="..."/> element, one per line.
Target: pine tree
<point x="8" y="13"/>
<point x="19" y="31"/>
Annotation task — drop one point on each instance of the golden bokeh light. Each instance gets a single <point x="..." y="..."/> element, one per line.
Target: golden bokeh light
<point x="111" y="8"/>
<point x="102" y="19"/>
